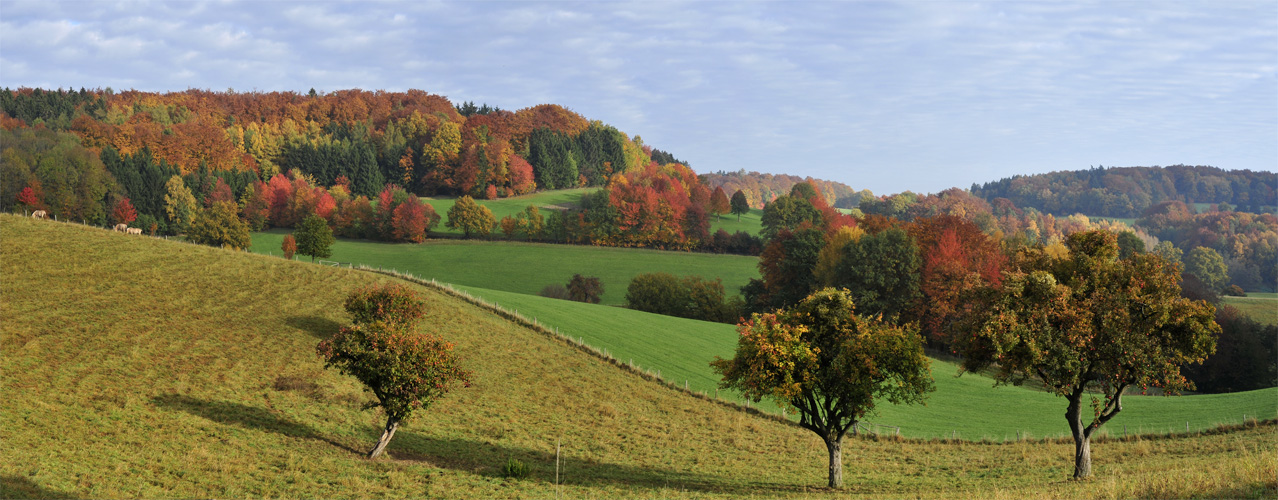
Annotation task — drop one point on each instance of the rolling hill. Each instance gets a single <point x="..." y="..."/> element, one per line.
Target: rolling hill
<point x="138" y="367"/>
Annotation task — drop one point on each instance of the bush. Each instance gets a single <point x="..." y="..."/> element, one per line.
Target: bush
<point x="585" y="289"/>
<point x="384" y="302"/>
<point x="515" y="469"/>
<point x="1234" y="291"/>
<point x="555" y="291"/>
<point x="690" y="297"/>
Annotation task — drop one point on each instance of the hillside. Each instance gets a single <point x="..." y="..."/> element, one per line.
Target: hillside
<point x="136" y="367"/>
<point x="1128" y="191"/>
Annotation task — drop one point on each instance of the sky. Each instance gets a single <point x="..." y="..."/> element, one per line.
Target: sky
<point x="886" y="96"/>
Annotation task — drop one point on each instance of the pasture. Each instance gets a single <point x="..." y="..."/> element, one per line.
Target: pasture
<point x="143" y="368"/>
<point x="1262" y="307"/>
<point x="570" y="198"/>
<point x="526" y="268"/>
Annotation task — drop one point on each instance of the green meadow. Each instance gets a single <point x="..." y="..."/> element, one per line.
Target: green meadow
<point x="528" y="267"/>
<point x="1262" y="307"/>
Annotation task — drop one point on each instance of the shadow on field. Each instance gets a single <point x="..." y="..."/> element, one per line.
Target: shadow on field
<point x="21" y="487"/>
<point x="249" y="417"/>
<point x="320" y="328"/>
<point x="478" y="457"/>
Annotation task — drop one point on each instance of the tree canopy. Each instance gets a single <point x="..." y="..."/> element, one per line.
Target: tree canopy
<point x="1088" y="322"/>
<point x="829" y="364"/>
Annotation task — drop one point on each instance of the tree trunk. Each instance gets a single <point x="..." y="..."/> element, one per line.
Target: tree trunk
<point x="1082" y="457"/>
<point x="391" y="425"/>
<point x="835" y="445"/>
<point x="1082" y="439"/>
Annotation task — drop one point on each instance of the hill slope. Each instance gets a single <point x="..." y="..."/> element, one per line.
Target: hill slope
<point x="135" y="367"/>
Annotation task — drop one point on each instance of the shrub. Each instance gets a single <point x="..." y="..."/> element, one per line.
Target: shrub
<point x="555" y="291"/>
<point x="289" y="246"/>
<point x="515" y="469"/>
<point x="689" y="297"/>
<point x="394" y="303"/>
<point x="585" y="289"/>
<point x="1234" y="291"/>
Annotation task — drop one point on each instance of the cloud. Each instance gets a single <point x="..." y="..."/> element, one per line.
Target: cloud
<point x="884" y="95"/>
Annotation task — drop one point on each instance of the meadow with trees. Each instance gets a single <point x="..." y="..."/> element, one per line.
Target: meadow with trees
<point x="478" y="248"/>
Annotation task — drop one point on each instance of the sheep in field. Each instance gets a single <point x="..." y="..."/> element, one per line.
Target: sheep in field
<point x="39" y="214"/>
<point x="121" y="227"/>
<point x="134" y="230"/>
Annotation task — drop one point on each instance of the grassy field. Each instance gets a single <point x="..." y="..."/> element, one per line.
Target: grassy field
<point x="967" y="406"/>
<point x="528" y="267"/>
<point x="1262" y="307"/>
<point x="680" y="350"/>
<point x="140" y="368"/>
<point x="569" y="198"/>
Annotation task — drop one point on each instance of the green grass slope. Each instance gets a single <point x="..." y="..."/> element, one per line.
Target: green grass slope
<point x="528" y="267"/>
<point x="968" y="407"/>
<point x="1262" y="307"/>
<point x="140" y="368"/>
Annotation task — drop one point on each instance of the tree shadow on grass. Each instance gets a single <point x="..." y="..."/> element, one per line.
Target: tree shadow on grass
<point x="320" y="328"/>
<point x="21" y="487"/>
<point x="484" y="458"/>
<point x="474" y="456"/>
<point x="248" y="417"/>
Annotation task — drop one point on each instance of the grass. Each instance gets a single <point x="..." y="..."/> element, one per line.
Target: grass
<point x="528" y="267"/>
<point x="680" y="350"/>
<point x="750" y="223"/>
<point x="141" y="368"/>
<point x="503" y="207"/>
<point x="1262" y="307"/>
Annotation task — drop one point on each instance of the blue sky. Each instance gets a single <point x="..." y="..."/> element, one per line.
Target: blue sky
<point x="886" y="96"/>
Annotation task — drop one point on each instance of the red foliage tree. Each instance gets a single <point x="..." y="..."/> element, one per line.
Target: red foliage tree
<point x="124" y="213"/>
<point x="521" y="175"/>
<point x="31" y="195"/>
<point x="278" y="194"/>
<point x="220" y="192"/>
<point x="412" y="219"/>
<point x="289" y="246"/>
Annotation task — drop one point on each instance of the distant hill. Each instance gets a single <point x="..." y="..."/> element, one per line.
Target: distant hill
<point x="1128" y="191"/>
<point x="761" y="188"/>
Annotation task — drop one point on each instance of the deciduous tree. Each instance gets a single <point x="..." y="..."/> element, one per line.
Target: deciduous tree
<point x="404" y="369"/>
<point x="289" y="246"/>
<point x="220" y="226"/>
<point x="179" y="204"/>
<point x="314" y="238"/>
<point x="829" y="364"/>
<point x="1089" y="323"/>
<point x="123" y="212"/>
<point x="740" y="205"/>
<point x="470" y="217"/>
<point x="585" y="289"/>
<point x="719" y="203"/>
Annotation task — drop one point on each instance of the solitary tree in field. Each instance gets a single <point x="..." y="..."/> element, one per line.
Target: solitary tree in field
<point x="719" y="203"/>
<point x="740" y="205"/>
<point x="1089" y="323"/>
<point x="470" y="217"/>
<point x="314" y="237"/>
<point x="404" y="369"/>
<point x="827" y="363"/>
<point x="289" y="246"/>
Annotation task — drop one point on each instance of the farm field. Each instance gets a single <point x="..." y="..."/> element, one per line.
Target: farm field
<point x="750" y="223"/>
<point x="173" y="370"/>
<point x="528" y="267"/>
<point x="1262" y="307"/>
